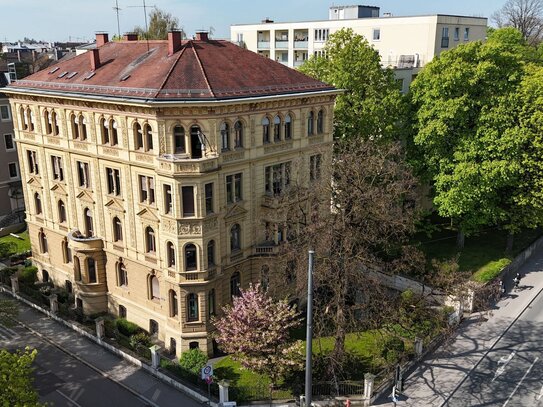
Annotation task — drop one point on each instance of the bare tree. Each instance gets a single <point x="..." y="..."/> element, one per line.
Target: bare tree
<point x="357" y="217"/>
<point x="524" y="15"/>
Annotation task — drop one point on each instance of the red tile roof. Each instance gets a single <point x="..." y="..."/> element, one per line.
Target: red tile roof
<point x="200" y="70"/>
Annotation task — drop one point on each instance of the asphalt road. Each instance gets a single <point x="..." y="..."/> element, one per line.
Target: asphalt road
<point x="64" y="381"/>
<point x="511" y="373"/>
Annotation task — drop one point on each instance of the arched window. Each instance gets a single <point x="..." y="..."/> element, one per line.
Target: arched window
<point x="77" y="269"/>
<point x="320" y="122"/>
<point x="30" y="119"/>
<point x="265" y="277"/>
<point x="194" y="345"/>
<point x="173" y="346"/>
<point x="191" y="257"/>
<point x="117" y="230"/>
<point x="122" y="275"/>
<point x="37" y="203"/>
<point x="113" y="130"/>
<point x="148" y="133"/>
<point x="44" y="276"/>
<point x="310" y="123"/>
<point x="23" y="118"/>
<point x="174" y="308"/>
<point x="89" y="224"/>
<point x="122" y="311"/>
<point x="276" y="128"/>
<point x="178" y="140"/>
<point x="154" y="288"/>
<point x="225" y="136"/>
<point x="170" y="254"/>
<point x="211" y="253"/>
<point x="238" y="134"/>
<point x="196" y="142"/>
<point x="42" y="238"/>
<point x="30" y="115"/>
<point x="75" y="127"/>
<point x="91" y="269"/>
<point x="68" y="286"/>
<point x="54" y="123"/>
<point x="153" y="327"/>
<point x="211" y="302"/>
<point x="66" y="251"/>
<point x="48" y="122"/>
<point x="61" y="212"/>
<point x="192" y="307"/>
<point x="235" y="238"/>
<point x="288" y="127"/>
<point x="235" y="282"/>
<point x="265" y="130"/>
<point x="138" y="134"/>
<point x="104" y="129"/>
<point x="82" y="124"/>
<point x="150" y="243"/>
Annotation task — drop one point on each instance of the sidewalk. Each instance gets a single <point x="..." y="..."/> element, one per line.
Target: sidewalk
<point x="132" y="378"/>
<point x="438" y="375"/>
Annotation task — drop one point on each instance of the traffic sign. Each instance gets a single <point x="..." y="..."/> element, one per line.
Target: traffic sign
<point x="207" y="371"/>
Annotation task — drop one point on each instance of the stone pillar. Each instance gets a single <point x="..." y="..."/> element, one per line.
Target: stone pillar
<point x="223" y="391"/>
<point x="99" y="328"/>
<point x="14" y="284"/>
<point x="418" y="347"/>
<point x="369" y="379"/>
<point x="155" y="356"/>
<point x="53" y="303"/>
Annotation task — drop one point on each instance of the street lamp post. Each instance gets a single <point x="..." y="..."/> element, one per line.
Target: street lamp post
<point x="309" y="331"/>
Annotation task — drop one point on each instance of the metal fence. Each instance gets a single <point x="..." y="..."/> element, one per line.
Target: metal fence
<point x="338" y="389"/>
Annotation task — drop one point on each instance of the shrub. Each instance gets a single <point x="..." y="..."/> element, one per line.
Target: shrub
<point x="140" y="339"/>
<point x="193" y="360"/>
<point x="393" y="350"/>
<point x="5" y="274"/>
<point x="29" y="275"/>
<point x="125" y="327"/>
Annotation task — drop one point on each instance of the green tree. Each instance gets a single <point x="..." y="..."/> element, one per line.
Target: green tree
<point x="160" y="22"/>
<point x="465" y="107"/>
<point x="8" y="311"/>
<point x="16" y="379"/>
<point x="372" y="104"/>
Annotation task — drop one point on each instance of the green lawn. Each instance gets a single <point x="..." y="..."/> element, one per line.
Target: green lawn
<point x="483" y="255"/>
<point x="19" y="245"/>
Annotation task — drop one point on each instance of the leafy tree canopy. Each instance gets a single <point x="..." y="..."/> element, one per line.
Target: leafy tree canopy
<point x="372" y="104"/>
<point x="16" y="380"/>
<point x="160" y="22"/>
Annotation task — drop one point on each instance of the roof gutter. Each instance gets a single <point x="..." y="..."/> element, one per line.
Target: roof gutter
<point x="154" y="102"/>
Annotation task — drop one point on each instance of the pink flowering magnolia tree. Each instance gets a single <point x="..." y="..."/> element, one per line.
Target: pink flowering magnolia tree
<point x="255" y="331"/>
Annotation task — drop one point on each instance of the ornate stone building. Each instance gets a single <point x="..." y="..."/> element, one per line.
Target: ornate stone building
<point x="150" y="170"/>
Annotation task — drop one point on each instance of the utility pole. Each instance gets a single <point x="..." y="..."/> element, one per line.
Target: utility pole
<point x="117" y="9"/>
<point x="309" y="331"/>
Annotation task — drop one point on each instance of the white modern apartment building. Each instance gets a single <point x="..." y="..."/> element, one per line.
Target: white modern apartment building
<point x="404" y="43"/>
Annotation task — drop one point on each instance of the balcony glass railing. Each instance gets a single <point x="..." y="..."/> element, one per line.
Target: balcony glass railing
<point x="263" y="45"/>
<point x="281" y="44"/>
<point x="300" y="44"/>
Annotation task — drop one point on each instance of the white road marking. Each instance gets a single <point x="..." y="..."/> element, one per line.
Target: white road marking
<point x="502" y="364"/>
<point x="540" y="393"/>
<point x="521" y="380"/>
<point x="69" y="399"/>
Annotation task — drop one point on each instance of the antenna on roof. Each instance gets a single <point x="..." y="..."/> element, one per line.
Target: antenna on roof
<point x="117" y="9"/>
<point x="145" y="15"/>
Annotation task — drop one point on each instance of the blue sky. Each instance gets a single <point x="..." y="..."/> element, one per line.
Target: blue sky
<point x="62" y="20"/>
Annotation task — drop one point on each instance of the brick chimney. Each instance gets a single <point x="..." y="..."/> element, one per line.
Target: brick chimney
<point x="94" y="59"/>
<point x="130" y="37"/>
<point x="101" y="39"/>
<point x="174" y="42"/>
<point x="202" y="36"/>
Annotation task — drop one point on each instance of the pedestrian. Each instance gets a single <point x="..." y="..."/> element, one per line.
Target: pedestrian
<point x="502" y="288"/>
<point x="516" y="280"/>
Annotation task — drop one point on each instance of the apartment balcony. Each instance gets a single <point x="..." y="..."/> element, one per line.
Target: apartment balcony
<point x="266" y="249"/>
<point x="82" y="243"/>
<point x="281" y="44"/>
<point x="189" y="277"/>
<point x="174" y="164"/>
<point x="300" y="44"/>
<point x="263" y="44"/>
